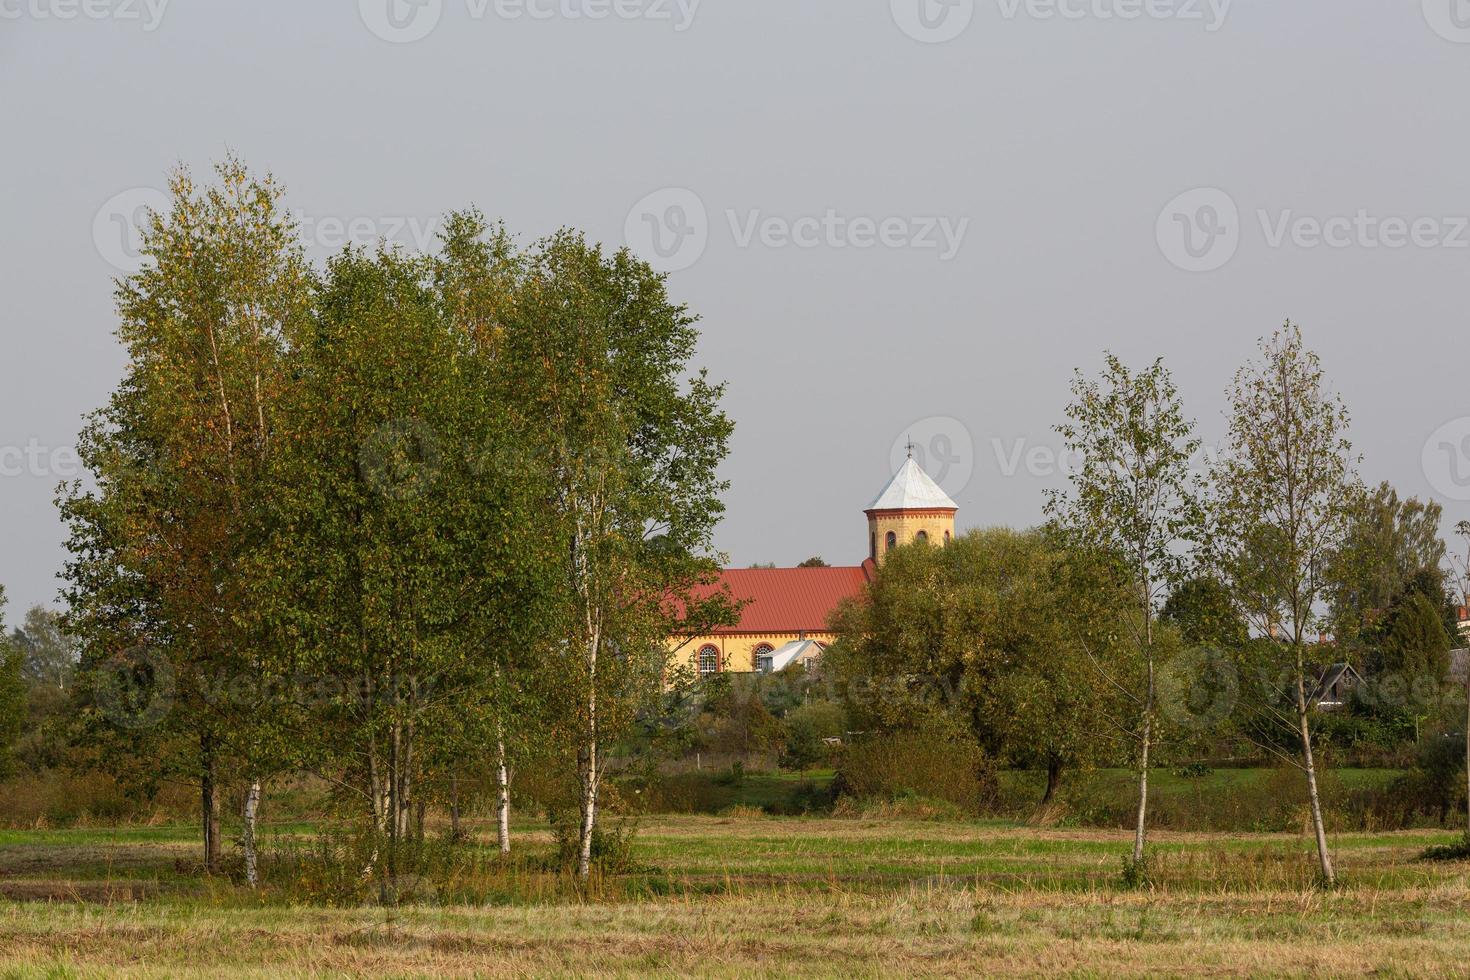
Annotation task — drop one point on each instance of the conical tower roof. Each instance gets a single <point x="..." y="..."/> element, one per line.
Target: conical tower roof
<point x="912" y="489"/>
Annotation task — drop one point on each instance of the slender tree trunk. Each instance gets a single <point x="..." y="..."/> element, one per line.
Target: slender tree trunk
<point x="589" y="808"/>
<point x="248" y="838"/>
<point x="502" y="772"/>
<point x="389" y="889"/>
<point x="588" y="764"/>
<point x="454" y="832"/>
<point x="1329" y="876"/>
<point x="1467" y="755"/>
<point x="1053" y="781"/>
<point x="1141" y="829"/>
<point x="209" y="805"/>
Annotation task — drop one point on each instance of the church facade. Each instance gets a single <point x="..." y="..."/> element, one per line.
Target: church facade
<point x="786" y="616"/>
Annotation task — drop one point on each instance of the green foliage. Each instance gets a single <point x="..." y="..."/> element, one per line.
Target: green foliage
<point x="12" y="696"/>
<point x="1435" y="786"/>
<point x="1412" y="641"/>
<point x="50" y="654"/>
<point x="1204" y="612"/>
<point x="612" y="846"/>
<point x="1135" y="874"/>
<point x="928" y="765"/>
<point x="1389" y="546"/>
<point x="803" y="733"/>
<point x="997" y="636"/>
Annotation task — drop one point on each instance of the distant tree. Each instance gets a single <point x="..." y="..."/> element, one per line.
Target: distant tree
<point x="815" y="562"/>
<point x="12" y="696"/>
<point x="1285" y="495"/>
<point x="1388" y="545"/>
<point x="989" y="637"/>
<point x="1133" y="497"/>
<point x="50" y="654"/>
<point x="1202" y="609"/>
<point x="1413" y="641"/>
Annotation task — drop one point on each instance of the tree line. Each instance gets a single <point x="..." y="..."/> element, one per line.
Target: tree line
<point x="386" y="522"/>
<point x="1168" y="599"/>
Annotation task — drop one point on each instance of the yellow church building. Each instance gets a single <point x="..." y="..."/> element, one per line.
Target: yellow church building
<point x="787" y="611"/>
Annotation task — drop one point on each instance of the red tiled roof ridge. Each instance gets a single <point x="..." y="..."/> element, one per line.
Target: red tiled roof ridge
<point x="789" y="600"/>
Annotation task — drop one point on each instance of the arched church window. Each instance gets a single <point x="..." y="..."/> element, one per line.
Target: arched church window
<point x="946" y="537"/>
<point x="922" y="537"/>
<point x="763" y="657"/>
<point x="890" y="542"/>
<point x="709" y="660"/>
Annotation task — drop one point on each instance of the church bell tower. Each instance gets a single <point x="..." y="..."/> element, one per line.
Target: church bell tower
<point x="911" y="508"/>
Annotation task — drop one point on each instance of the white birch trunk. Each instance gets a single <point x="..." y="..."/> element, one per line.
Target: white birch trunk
<point x="1329" y="876"/>
<point x="502" y="773"/>
<point x="248" y="836"/>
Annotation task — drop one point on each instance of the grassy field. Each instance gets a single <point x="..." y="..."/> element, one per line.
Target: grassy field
<point x="758" y="895"/>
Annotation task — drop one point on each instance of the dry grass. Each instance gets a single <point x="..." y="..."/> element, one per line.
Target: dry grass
<point x="747" y="896"/>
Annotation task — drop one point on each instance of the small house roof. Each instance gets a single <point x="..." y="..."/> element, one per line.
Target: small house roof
<point x="791" y="652"/>
<point x="1330" y="678"/>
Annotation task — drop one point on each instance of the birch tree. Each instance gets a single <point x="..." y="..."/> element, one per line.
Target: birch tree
<point x="1133" y="496"/>
<point x="631" y="442"/>
<point x="1284" y="494"/>
<point x="179" y="456"/>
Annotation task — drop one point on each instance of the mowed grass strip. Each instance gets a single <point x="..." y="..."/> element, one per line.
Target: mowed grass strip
<point x="759" y="895"/>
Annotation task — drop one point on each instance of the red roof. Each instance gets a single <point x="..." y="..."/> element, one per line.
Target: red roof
<point x="789" y="600"/>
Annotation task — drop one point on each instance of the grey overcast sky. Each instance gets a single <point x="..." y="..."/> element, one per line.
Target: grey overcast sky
<point x="914" y="216"/>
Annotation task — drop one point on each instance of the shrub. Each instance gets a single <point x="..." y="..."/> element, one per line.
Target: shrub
<point x="1434" y="786"/>
<point x="1458" y="851"/>
<point x="806" y="727"/>
<point x="908" y="765"/>
<point x="612" y="847"/>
